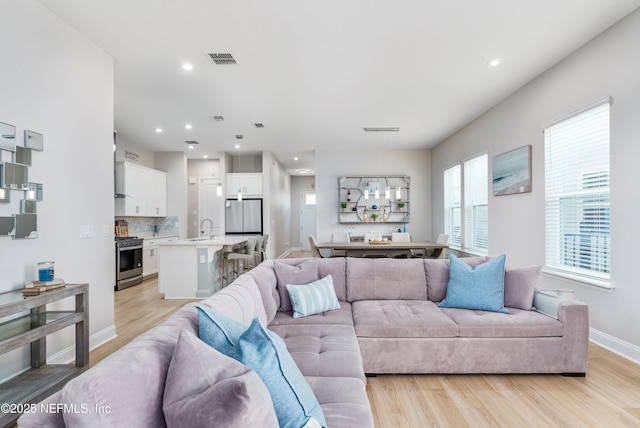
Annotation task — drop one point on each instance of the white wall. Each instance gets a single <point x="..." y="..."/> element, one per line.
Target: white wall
<point x="298" y="183"/>
<point x="175" y="165"/>
<point x="57" y="82"/>
<point x="331" y="164"/>
<point x="201" y="168"/>
<point x="145" y="156"/>
<point x="277" y="205"/>
<point x="608" y="65"/>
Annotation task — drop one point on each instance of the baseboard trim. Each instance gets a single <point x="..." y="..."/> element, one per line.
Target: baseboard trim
<point x="615" y="345"/>
<point x="289" y="251"/>
<point x="97" y="339"/>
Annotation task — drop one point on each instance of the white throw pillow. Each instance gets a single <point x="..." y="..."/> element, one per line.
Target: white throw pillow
<point x="313" y="298"/>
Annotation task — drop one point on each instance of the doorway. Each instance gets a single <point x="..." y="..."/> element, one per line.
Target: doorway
<point x="209" y="206"/>
<point x="307" y="217"/>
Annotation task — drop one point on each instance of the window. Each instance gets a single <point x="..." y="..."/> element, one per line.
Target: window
<point x="577" y="241"/>
<point x="310" y="199"/>
<point x="466" y="208"/>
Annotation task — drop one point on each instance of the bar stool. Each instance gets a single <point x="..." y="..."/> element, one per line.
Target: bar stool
<point x="238" y="257"/>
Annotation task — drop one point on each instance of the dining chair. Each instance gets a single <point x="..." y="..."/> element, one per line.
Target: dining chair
<point x="443" y="239"/>
<point x="368" y="237"/>
<point x="263" y="251"/>
<point x="401" y="237"/>
<point x="314" y="249"/>
<point x="258" y="251"/>
<point x="339" y="237"/>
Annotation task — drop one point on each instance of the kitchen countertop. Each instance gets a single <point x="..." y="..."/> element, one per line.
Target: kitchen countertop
<point x="227" y="240"/>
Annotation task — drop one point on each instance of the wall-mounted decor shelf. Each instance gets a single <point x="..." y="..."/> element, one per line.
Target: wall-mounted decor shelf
<point x="374" y="199"/>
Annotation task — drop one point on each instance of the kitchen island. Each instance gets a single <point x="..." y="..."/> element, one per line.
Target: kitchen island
<point x="192" y="268"/>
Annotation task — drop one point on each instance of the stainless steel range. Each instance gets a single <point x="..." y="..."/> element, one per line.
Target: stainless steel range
<point x="128" y="261"/>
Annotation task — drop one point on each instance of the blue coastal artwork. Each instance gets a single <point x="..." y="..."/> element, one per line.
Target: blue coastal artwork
<point x="512" y="172"/>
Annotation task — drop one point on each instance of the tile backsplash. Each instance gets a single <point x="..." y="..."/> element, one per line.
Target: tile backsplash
<point x="147" y="226"/>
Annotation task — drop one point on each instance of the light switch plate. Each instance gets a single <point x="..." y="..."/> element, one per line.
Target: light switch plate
<point x="106" y="230"/>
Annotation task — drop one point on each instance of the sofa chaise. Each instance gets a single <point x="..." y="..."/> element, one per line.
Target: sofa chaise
<point x="389" y="321"/>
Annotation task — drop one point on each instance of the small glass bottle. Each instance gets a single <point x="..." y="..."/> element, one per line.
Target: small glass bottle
<point x="384" y="215"/>
<point x="364" y="215"/>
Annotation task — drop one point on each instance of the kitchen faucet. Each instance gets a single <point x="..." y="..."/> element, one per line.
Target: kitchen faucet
<point x="210" y="226"/>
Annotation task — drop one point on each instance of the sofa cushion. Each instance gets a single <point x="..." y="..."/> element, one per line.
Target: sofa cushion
<point x="437" y="272"/>
<point x="266" y="353"/>
<point x="517" y="323"/>
<point x="313" y="298"/>
<point x="480" y="288"/>
<point x="205" y="386"/>
<point x="520" y="286"/>
<point x="302" y="273"/>
<point x="323" y="350"/>
<point x="267" y="283"/>
<point x="337" y="268"/>
<point x="401" y="318"/>
<point x="342" y="315"/>
<point x="242" y="302"/>
<point x="385" y="279"/>
<point x="142" y="366"/>
<point x="218" y="330"/>
<point x="343" y="400"/>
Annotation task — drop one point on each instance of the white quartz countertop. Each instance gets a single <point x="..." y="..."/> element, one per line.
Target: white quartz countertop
<point x="199" y="242"/>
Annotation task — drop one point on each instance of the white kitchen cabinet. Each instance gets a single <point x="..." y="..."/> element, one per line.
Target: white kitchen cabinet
<point x="150" y="254"/>
<point x="142" y="192"/>
<point x="250" y="184"/>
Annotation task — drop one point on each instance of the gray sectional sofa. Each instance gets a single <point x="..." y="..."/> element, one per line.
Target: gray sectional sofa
<point x="389" y="321"/>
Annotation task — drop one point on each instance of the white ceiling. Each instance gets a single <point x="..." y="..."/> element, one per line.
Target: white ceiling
<point x="315" y="73"/>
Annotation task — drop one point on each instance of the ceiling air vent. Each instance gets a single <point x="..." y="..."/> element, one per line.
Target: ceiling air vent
<point x="222" y="58"/>
<point x="191" y="142"/>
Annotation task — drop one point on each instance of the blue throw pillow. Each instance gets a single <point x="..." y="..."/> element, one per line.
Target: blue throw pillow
<point x="293" y="400"/>
<point x="480" y="288"/>
<point x="313" y="298"/>
<point x="218" y="330"/>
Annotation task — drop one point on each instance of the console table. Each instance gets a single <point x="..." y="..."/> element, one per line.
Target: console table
<point x="26" y="320"/>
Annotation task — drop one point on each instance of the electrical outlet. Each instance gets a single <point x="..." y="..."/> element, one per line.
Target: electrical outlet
<point x="203" y="259"/>
<point x="86" y="231"/>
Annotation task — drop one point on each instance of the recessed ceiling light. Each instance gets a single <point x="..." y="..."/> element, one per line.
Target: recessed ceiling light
<point x="303" y="171"/>
<point x="191" y="146"/>
<point x="158" y="130"/>
<point x="187" y="67"/>
<point x="494" y="62"/>
<point x="205" y="156"/>
<point x="188" y="126"/>
<point x="295" y="158"/>
<point x="237" y="146"/>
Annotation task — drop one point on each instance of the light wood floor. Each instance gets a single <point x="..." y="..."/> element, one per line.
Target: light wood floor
<point x="609" y="396"/>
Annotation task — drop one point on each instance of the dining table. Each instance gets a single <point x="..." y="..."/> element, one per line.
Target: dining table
<point x="383" y="248"/>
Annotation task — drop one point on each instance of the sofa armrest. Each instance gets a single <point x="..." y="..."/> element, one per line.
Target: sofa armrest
<point x="574" y="316"/>
<point x="47" y="414"/>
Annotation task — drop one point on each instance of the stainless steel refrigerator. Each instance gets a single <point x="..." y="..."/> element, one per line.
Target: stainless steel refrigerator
<point x="243" y="217"/>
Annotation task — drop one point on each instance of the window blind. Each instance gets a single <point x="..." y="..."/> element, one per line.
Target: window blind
<point x="577" y="239"/>
<point x="476" y="206"/>
<point x="452" y="206"/>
